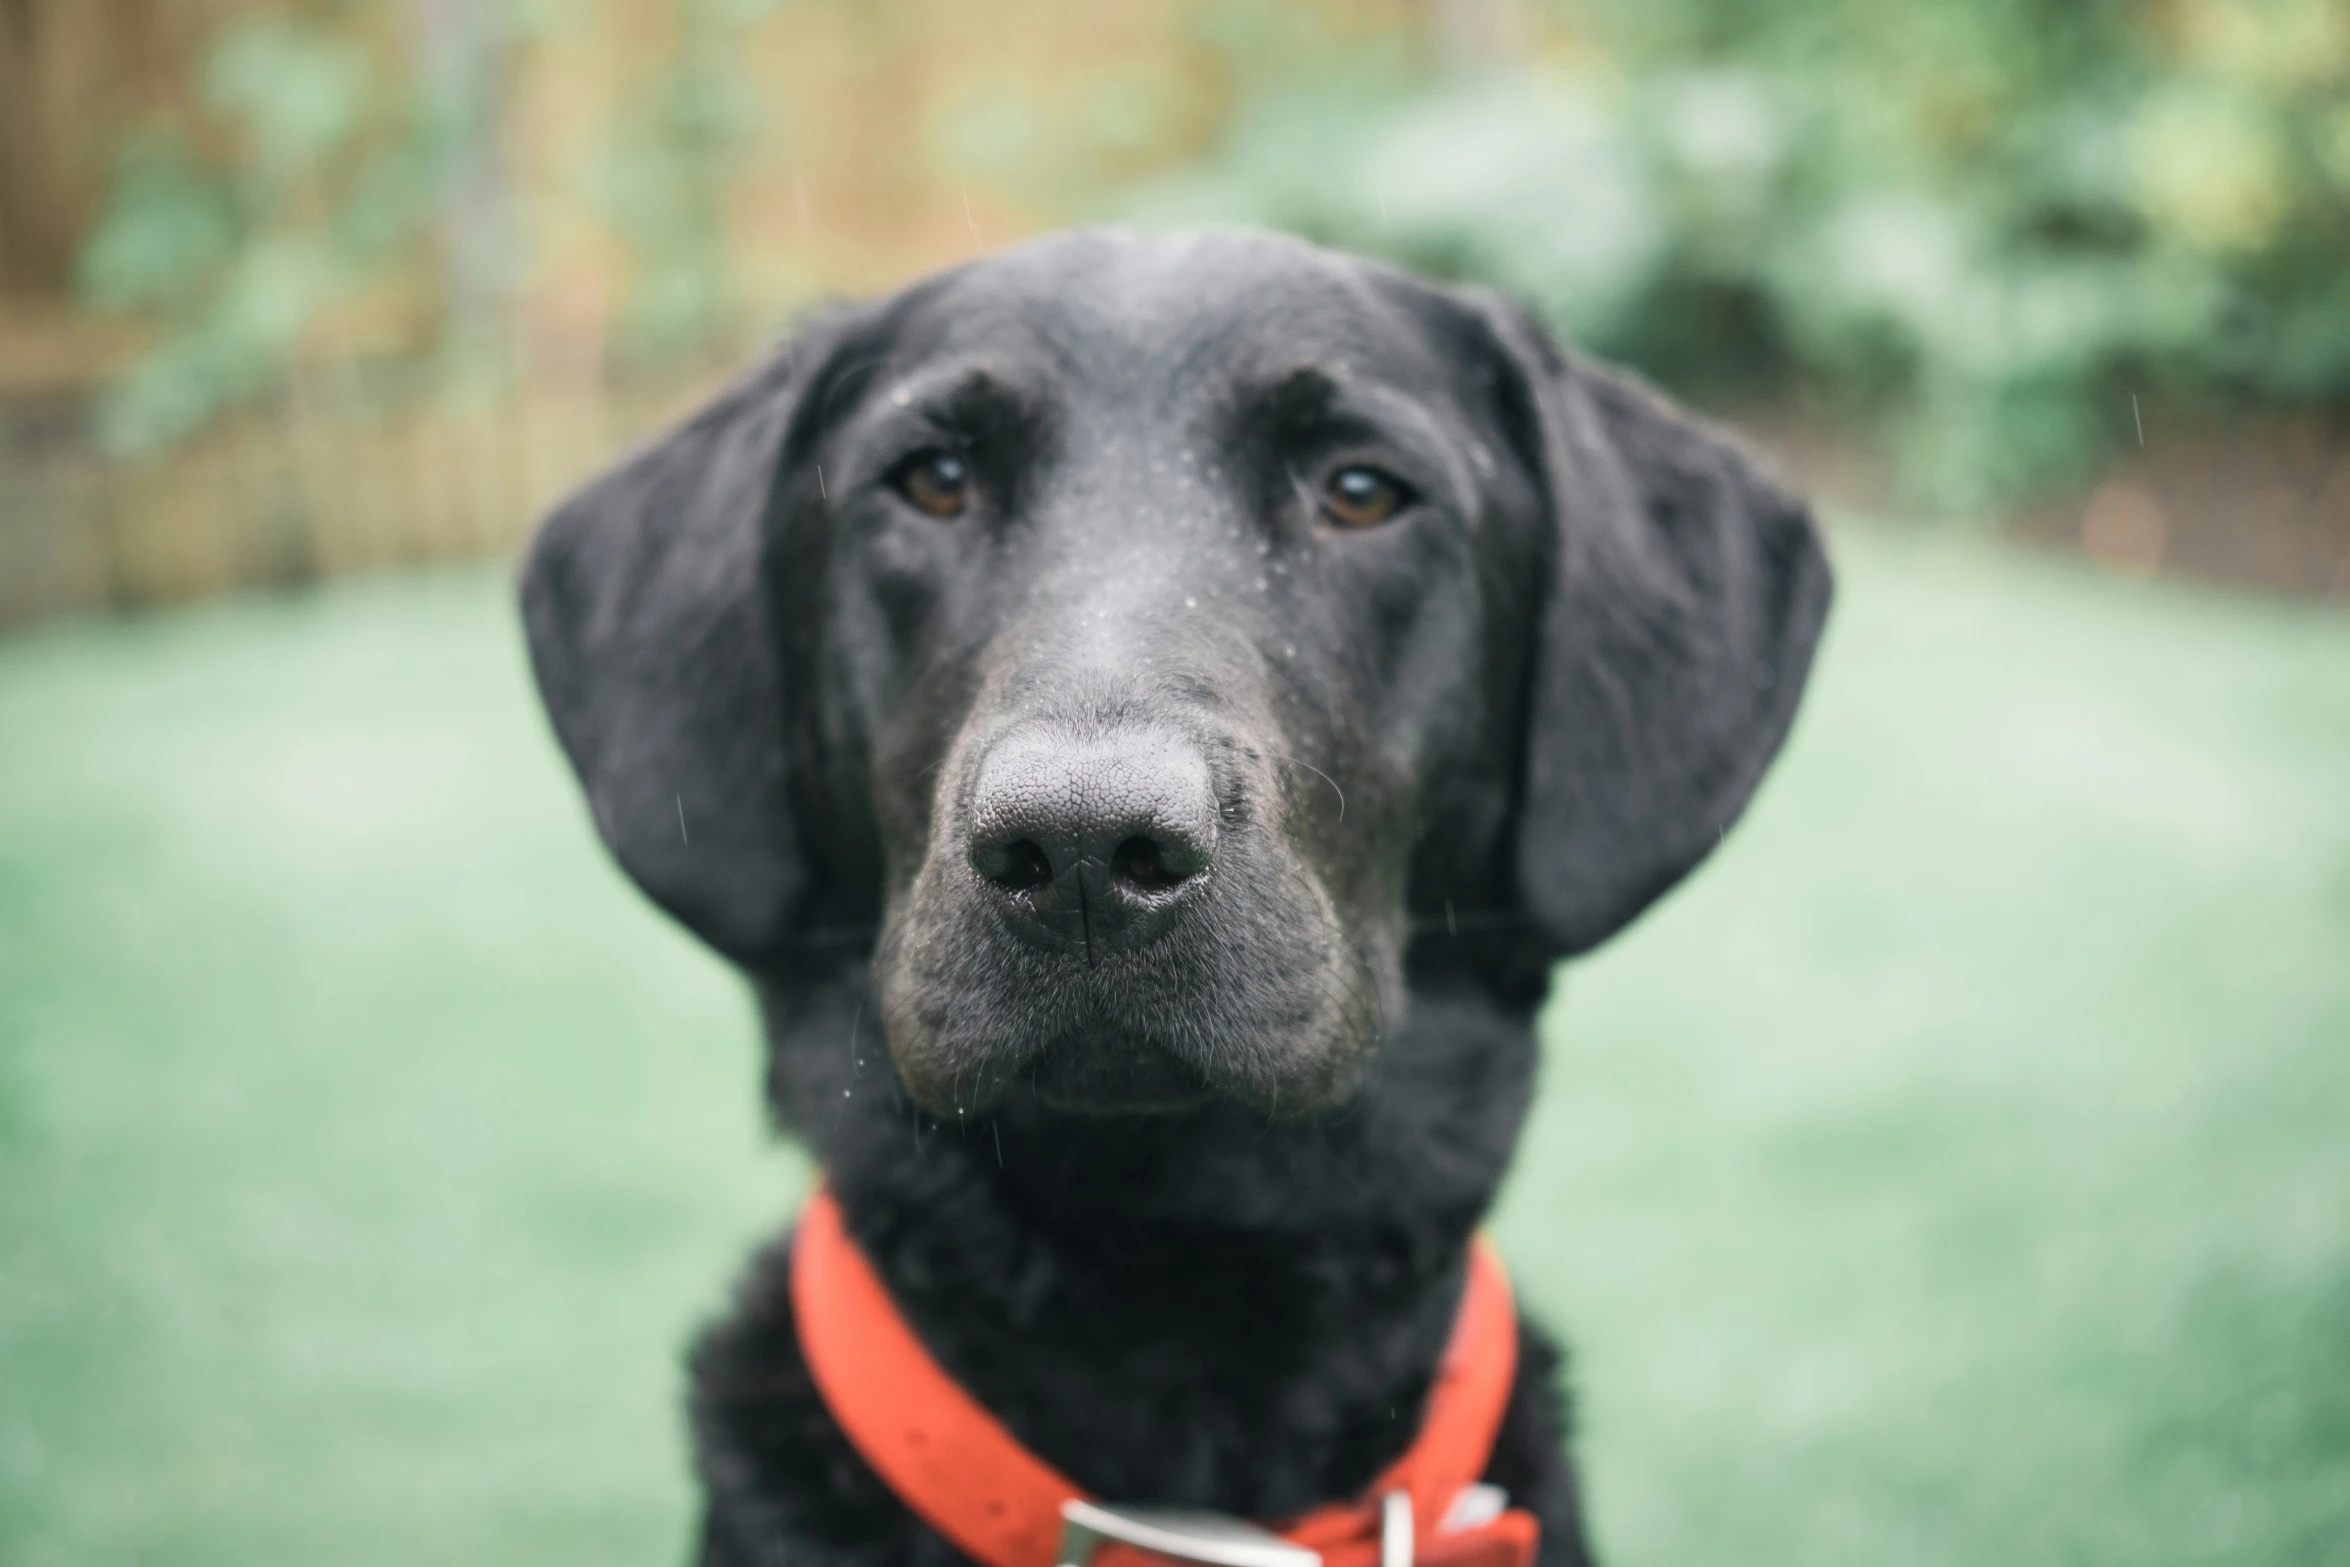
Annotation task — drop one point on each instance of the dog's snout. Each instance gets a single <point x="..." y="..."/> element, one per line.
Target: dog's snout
<point x="1088" y="839"/>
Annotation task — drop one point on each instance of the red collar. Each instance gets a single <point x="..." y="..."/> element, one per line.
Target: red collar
<point x="955" y="1465"/>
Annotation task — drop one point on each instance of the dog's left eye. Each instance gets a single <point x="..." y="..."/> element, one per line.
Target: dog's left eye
<point x="1363" y="497"/>
<point x="937" y="482"/>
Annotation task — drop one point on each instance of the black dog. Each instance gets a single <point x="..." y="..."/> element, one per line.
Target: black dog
<point x="1146" y="713"/>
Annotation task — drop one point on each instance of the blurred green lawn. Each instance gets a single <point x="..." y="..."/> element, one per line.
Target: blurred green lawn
<point x="1958" y="1171"/>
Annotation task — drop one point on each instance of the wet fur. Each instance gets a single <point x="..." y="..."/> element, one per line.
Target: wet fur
<point x="1445" y="756"/>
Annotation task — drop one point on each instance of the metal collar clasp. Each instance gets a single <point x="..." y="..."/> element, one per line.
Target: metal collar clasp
<point x="1185" y="1534"/>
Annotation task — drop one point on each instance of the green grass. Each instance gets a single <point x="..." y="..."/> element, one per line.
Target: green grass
<point x="1958" y="1171"/>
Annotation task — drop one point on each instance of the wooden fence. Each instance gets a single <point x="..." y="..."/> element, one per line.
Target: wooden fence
<point x="306" y="495"/>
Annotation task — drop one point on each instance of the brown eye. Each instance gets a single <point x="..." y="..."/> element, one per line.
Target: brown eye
<point x="1362" y="497"/>
<point x="938" y="482"/>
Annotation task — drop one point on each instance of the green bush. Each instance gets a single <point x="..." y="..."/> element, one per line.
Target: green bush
<point x="327" y="178"/>
<point x="1997" y="220"/>
<point x="1980" y="226"/>
<point x="313" y="166"/>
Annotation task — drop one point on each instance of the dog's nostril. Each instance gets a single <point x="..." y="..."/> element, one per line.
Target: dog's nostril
<point x="1085" y="839"/>
<point x="1020" y="866"/>
<point x="1143" y="863"/>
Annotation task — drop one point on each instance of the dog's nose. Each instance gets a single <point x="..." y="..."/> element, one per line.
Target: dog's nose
<point x="1093" y="841"/>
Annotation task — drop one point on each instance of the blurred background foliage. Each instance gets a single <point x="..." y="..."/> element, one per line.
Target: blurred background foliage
<point x="1984" y="1199"/>
<point x="1989" y="218"/>
<point x="1970" y="248"/>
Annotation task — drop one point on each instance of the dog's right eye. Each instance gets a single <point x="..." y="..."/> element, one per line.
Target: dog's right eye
<point x="1363" y="497"/>
<point x="936" y="482"/>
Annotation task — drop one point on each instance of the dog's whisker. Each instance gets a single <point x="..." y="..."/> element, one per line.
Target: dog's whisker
<point x="1325" y="777"/>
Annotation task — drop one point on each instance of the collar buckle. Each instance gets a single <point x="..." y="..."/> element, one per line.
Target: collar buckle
<point x="1181" y="1533"/>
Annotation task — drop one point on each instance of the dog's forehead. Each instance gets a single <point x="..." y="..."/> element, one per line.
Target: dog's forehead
<point x="1200" y="307"/>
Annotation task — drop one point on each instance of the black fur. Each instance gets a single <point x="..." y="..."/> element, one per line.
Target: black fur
<point x="1174" y="1172"/>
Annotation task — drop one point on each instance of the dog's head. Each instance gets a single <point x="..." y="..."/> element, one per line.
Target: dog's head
<point x="1136" y="642"/>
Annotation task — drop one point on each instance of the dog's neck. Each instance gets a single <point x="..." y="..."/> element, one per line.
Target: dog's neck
<point x="1232" y="1287"/>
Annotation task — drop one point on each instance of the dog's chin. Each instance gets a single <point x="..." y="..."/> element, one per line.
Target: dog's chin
<point x="1100" y="1076"/>
<point x="1090" y="1078"/>
<point x="1115" y="1077"/>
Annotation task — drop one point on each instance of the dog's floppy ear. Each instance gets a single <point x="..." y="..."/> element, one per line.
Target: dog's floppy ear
<point x="644" y="600"/>
<point x="1687" y="588"/>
